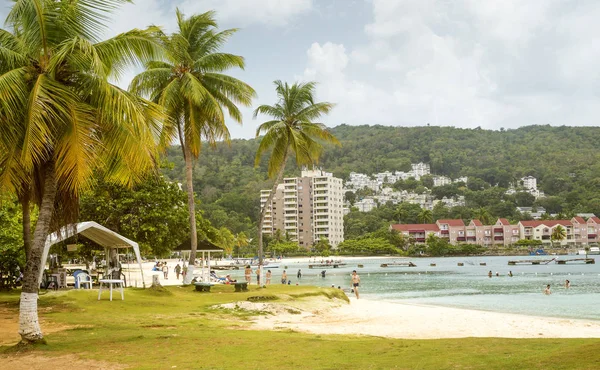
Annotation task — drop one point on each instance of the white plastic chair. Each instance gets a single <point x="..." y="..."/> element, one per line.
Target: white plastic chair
<point x="83" y="278"/>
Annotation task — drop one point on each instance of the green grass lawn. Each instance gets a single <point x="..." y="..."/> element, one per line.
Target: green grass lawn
<point x="178" y="327"/>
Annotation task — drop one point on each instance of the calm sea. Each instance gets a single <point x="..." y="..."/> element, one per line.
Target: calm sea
<point x="468" y="286"/>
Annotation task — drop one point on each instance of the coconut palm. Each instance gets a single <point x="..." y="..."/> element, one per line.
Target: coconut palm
<point x="291" y="131"/>
<point x="483" y="215"/>
<point x="61" y="120"/>
<point x="191" y="87"/>
<point x="558" y="233"/>
<point x="425" y="217"/>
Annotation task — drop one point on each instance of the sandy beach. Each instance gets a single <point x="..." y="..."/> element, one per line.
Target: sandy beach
<point x="399" y="320"/>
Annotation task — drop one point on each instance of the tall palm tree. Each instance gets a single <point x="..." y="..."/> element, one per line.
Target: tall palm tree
<point x="558" y="233"/>
<point x="425" y="217"/>
<point x="191" y="87"/>
<point x="61" y="120"/>
<point x="291" y="131"/>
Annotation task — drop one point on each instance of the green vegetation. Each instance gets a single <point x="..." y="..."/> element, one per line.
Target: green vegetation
<point x="180" y="328"/>
<point x="291" y="132"/>
<point x="567" y="166"/>
<point x="189" y="84"/>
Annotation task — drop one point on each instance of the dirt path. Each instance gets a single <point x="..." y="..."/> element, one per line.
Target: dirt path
<point x="9" y="327"/>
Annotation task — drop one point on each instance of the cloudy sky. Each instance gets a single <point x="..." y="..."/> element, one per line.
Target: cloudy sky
<point x="463" y="63"/>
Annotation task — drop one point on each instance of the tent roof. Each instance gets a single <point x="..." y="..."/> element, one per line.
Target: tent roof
<point x="95" y="232"/>
<point x="203" y="245"/>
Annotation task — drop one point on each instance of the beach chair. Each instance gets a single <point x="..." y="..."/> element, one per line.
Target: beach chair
<point x="84" y="279"/>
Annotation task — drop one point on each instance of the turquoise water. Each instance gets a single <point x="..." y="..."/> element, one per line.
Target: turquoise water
<point x="469" y="286"/>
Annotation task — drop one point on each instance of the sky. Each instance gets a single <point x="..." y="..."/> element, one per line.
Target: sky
<point x="464" y="63"/>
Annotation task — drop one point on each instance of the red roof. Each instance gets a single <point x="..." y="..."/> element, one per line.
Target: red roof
<point x="412" y="227"/>
<point x="595" y="219"/>
<point x="503" y="221"/>
<point x="476" y="222"/>
<point x="453" y="223"/>
<point x="549" y="223"/>
<point x="579" y="219"/>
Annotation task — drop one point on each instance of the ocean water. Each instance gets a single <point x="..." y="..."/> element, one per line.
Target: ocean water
<point x="468" y="286"/>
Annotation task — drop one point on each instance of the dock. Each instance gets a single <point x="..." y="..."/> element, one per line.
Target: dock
<point x="587" y="261"/>
<point x="530" y="262"/>
<point x="398" y="264"/>
<point x="326" y="265"/>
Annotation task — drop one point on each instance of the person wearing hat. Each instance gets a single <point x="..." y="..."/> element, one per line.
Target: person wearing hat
<point x="355" y="282"/>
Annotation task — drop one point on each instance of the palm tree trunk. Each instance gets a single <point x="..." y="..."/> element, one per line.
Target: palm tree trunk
<point x="29" y="326"/>
<point x="26" y="223"/>
<point x="192" y="209"/>
<point x="263" y="212"/>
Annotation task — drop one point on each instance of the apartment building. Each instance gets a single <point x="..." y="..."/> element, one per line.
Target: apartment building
<point x="578" y="231"/>
<point x="307" y="208"/>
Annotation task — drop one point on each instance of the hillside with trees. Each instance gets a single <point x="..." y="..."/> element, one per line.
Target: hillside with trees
<point x="565" y="160"/>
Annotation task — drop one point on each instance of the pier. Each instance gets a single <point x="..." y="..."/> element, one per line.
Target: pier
<point x="326" y="265"/>
<point x="587" y="261"/>
<point x="530" y="262"/>
<point x="399" y="264"/>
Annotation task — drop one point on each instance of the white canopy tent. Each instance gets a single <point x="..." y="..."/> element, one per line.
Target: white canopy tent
<point x="96" y="233"/>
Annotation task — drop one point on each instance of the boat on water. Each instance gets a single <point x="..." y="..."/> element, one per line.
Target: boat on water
<point x="327" y="264"/>
<point x="592" y="250"/>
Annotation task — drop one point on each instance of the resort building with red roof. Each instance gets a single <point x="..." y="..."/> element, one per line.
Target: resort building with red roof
<point x="578" y="231"/>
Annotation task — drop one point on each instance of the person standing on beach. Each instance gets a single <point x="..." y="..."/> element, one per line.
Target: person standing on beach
<point x="177" y="271"/>
<point x="268" y="277"/>
<point x="284" y="277"/>
<point x="355" y="282"/>
<point x="567" y="284"/>
<point x="248" y="274"/>
<point x="165" y="270"/>
<point x="299" y="275"/>
<point x="258" y="276"/>
<point x="184" y="270"/>
<point x="547" y="290"/>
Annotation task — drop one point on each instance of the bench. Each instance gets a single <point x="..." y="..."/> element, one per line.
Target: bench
<point x="203" y="287"/>
<point x="241" y="286"/>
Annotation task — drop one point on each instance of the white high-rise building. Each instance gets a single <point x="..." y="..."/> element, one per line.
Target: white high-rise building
<point x="529" y="182"/>
<point x="307" y="208"/>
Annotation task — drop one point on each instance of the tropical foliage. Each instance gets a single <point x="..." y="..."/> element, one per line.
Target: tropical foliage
<point x="292" y="131"/>
<point x="194" y="91"/>
<point x="61" y="119"/>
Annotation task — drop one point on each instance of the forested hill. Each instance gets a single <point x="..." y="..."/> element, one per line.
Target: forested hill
<point x="564" y="159"/>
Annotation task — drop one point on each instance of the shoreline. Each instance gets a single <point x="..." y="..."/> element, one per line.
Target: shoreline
<point x="416" y="321"/>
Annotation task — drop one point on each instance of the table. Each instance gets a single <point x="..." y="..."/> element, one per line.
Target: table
<point x="241" y="286"/>
<point x="110" y="283"/>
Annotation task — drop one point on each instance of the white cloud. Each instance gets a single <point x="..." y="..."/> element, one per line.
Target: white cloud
<point x="245" y="12"/>
<point x="466" y="63"/>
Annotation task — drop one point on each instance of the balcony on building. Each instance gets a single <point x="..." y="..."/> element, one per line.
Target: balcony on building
<point x="592" y="236"/>
<point x="546" y="237"/>
<point x="498" y="230"/>
<point x="471" y="237"/>
<point x="461" y="238"/>
<point x="498" y="238"/>
<point x="444" y="232"/>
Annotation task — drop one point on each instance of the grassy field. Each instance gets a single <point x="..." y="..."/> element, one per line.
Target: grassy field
<point x="178" y="327"/>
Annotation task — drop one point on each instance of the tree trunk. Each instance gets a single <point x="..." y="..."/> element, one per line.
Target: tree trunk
<point x="192" y="209"/>
<point x="263" y="212"/>
<point x="29" y="326"/>
<point x="26" y="223"/>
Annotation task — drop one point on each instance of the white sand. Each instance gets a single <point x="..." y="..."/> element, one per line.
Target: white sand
<point x="399" y="320"/>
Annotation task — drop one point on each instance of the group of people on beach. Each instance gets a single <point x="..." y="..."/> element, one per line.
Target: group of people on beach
<point x="248" y="275"/>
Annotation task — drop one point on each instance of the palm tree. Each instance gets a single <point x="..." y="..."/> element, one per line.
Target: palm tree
<point x="425" y="217"/>
<point x="484" y="216"/>
<point x="193" y="90"/>
<point x="61" y="120"/>
<point x="559" y="233"/>
<point x="292" y="131"/>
